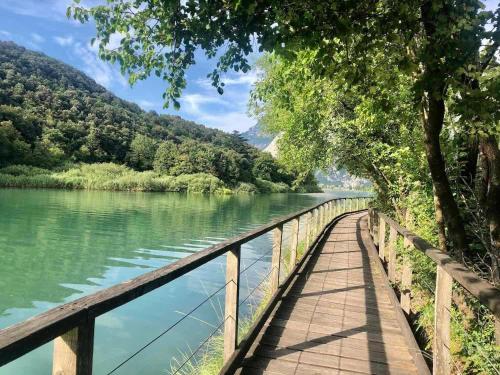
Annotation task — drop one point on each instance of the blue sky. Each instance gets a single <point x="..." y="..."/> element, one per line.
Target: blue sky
<point x="42" y="25"/>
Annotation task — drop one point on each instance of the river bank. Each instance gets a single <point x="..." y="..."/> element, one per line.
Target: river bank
<point x="114" y="177"/>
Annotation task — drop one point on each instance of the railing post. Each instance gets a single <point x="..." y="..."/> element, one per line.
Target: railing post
<point x="232" y="302"/>
<point x="344" y="205"/>
<point x="323" y="215"/>
<point x="275" y="261"/>
<point x="308" y="230"/>
<point x="370" y="223"/>
<point x="316" y="222"/>
<point x="294" y="243"/>
<point x="357" y="204"/>
<point x="406" y="242"/>
<point x="376" y="227"/>
<point x="442" y="305"/>
<point x="381" y="238"/>
<point x="406" y="289"/>
<point x="73" y="351"/>
<point x="393" y="238"/>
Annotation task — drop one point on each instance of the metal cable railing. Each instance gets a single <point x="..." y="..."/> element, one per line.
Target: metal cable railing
<point x="77" y="318"/>
<point x="172" y="326"/>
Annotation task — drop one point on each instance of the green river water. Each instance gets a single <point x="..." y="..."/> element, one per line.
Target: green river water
<point x="56" y="246"/>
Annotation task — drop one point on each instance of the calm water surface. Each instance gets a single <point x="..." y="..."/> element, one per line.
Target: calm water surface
<point x="56" y="246"/>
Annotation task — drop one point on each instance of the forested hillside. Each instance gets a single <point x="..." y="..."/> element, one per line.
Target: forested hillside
<point x="52" y="115"/>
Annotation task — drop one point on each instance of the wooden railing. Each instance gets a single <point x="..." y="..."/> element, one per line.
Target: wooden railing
<point x="71" y="325"/>
<point x="447" y="271"/>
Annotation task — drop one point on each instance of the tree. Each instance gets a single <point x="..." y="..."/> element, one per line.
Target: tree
<point x="165" y="157"/>
<point x="13" y="149"/>
<point x="437" y="44"/>
<point x="265" y="168"/>
<point x="142" y="152"/>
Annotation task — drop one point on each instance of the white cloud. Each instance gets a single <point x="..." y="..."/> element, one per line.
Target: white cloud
<point x="46" y="9"/>
<point x="64" y="40"/>
<point x="37" y="38"/>
<point x="193" y="103"/>
<point x="226" y="112"/>
<point x="227" y="121"/>
<point x="232" y="79"/>
<point x="146" y="104"/>
<point x="5" y="33"/>
<point x="102" y="72"/>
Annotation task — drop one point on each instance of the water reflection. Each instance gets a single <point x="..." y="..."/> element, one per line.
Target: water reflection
<point x="56" y="246"/>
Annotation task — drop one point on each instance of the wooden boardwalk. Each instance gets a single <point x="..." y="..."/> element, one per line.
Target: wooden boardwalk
<point x="339" y="316"/>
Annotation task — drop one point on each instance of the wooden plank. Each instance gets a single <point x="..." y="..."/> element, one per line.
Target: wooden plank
<point x="393" y="238"/>
<point x="370" y="222"/>
<point x="485" y="292"/>
<point x="232" y="302"/>
<point x="276" y="299"/>
<point x="73" y="351"/>
<point x="276" y="257"/>
<point x="366" y="341"/>
<point x="441" y="347"/>
<point x="375" y="224"/>
<point x="406" y="288"/>
<point x="308" y="229"/>
<point x="294" y="241"/>
<point x="381" y="239"/>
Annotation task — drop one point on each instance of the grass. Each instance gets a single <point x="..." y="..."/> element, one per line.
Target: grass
<point x="211" y="359"/>
<point x="114" y="177"/>
<point x="472" y="346"/>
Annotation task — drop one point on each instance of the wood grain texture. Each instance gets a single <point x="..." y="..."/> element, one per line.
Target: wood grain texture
<point x="73" y="351"/>
<point x="294" y="242"/>
<point x="232" y="301"/>
<point x="441" y="347"/>
<point x="391" y="267"/>
<point x="336" y="318"/>
<point x="276" y="258"/>
<point x="406" y="277"/>
<point x="486" y="293"/>
<point x="381" y="239"/>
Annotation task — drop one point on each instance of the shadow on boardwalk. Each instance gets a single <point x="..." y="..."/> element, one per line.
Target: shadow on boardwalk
<point x="336" y="317"/>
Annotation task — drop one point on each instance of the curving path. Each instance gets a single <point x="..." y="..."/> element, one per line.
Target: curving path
<point x="340" y="316"/>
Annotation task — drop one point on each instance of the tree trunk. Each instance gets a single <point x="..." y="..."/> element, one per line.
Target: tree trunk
<point x="433" y="110"/>
<point x="433" y="117"/>
<point x="440" y="223"/>
<point x="490" y="151"/>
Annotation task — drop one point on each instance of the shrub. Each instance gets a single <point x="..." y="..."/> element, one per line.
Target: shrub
<point x="265" y="186"/>
<point x="23" y="170"/>
<point x="246" y="188"/>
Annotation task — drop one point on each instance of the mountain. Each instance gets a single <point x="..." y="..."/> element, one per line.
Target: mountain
<point x="52" y="114"/>
<point x="332" y="177"/>
<point x="256" y="137"/>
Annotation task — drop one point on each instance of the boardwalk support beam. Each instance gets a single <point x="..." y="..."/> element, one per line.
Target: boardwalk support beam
<point x="294" y="243"/>
<point x="276" y="257"/>
<point x="232" y="302"/>
<point x="441" y="350"/>
<point x="73" y="351"/>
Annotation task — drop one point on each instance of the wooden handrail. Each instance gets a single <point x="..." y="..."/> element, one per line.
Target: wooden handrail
<point x="68" y="321"/>
<point x="481" y="289"/>
<point x="447" y="271"/>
